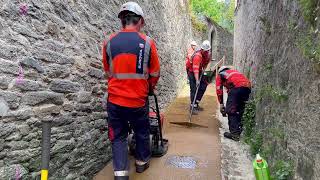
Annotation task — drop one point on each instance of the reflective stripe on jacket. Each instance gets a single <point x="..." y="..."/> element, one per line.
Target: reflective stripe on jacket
<point x="188" y="58"/>
<point x="131" y="62"/>
<point x="230" y="79"/>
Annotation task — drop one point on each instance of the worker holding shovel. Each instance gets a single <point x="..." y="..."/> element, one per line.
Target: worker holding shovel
<point x="195" y="71"/>
<point x="131" y="61"/>
<point x="239" y="89"/>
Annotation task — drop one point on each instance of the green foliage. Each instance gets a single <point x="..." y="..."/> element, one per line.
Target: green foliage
<point x="218" y="11"/>
<point x="308" y="42"/>
<point x="199" y="26"/>
<point x="255" y="142"/>
<point x="277" y="95"/>
<point x="266" y="151"/>
<point x="268" y="66"/>
<point x="251" y="137"/>
<point x="310" y="9"/>
<point x="282" y="170"/>
<point x="248" y="120"/>
<point x="310" y="47"/>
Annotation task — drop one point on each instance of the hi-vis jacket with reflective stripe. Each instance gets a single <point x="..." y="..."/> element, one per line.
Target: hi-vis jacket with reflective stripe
<point x="195" y="62"/>
<point x="230" y="79"/>
<point x="198" y="61"/>
<point x="131" y="61"/>
<point x="188" y="58"/>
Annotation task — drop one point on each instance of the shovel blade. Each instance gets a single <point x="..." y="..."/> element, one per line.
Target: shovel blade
<point x="189" y="124"/>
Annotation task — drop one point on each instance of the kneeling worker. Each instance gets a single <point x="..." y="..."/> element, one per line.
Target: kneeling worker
<point x="130" y="60"/>
<point x="239" y="89"/>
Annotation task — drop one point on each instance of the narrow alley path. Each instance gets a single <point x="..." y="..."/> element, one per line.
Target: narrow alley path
<point x="199" y="147"/>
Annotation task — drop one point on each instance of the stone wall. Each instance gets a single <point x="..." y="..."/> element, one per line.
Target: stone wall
<point x="50" y="69"/>
<point x="272" y="46"/>
<point x="222" y="42"/>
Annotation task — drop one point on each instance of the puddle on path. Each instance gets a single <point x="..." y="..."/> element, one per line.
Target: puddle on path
<point x="185" y="162"/>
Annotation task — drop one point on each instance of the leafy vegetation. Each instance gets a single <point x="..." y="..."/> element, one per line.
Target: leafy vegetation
<point x="199" y="26"/>
<point x="217" y="10"/>
<point x="310" y="47"/>
<point x="248" y="120"/>
<point x="308" y="41"/>
<point x="282" y="170"/>
<point x="277" y="95"/>
<point x="310" y="9"/>
<point x="251" y="137"/>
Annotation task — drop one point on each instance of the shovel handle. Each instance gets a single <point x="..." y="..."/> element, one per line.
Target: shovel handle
<point x="195" y="97"/>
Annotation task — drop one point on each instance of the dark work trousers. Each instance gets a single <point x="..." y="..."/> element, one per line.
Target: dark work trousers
<point x="118" y="121"/>
<point x="202" y="89"/>
<point x="193" y="85"/>
<point x="237" y="98"/>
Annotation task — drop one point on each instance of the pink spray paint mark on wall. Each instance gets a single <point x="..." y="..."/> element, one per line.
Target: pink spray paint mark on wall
<point x="20" y="78"/>
<point x="18" y="173"/>
<point x="23" y="9"/>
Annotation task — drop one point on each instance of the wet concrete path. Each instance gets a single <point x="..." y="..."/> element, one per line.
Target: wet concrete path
<point x="194" y="153"/>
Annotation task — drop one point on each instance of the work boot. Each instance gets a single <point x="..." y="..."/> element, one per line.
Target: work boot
<point x="142" y="166"/>
<point x="121" y="178"/>
<point x="235" y="137"/>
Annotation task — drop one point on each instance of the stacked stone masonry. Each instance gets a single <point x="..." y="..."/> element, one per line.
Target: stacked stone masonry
<point x="268" y="46"/>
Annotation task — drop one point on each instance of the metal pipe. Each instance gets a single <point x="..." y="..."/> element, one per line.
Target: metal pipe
<point x="45" y="153"/>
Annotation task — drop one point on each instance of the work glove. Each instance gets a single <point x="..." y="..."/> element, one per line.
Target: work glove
<point x="223" y="110"/>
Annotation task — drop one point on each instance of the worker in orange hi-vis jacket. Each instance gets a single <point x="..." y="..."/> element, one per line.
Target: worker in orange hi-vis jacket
<point x="239" y="88"/>
<point x="131" y="61"/>
<point x="190" y="51"/>
<point x="197" y="65"/>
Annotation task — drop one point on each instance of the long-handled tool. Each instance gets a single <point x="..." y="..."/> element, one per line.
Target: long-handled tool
<point x="189" y="123"/>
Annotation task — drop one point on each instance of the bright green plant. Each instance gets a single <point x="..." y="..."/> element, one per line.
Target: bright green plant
<point x="218" y="11"/>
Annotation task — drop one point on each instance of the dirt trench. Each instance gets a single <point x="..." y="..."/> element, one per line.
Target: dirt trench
<point x="199" y="148"/>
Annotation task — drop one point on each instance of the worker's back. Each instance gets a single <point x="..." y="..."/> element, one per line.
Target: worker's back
<point x="235" y="78"/>
<point x="128" y="60"/>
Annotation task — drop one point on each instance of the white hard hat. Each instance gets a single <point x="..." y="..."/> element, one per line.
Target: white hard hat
<point x="132" y="7"/>
<point x="206" y="45"/>
<point x="222" y="68"/>
<point x="194" y="43"/>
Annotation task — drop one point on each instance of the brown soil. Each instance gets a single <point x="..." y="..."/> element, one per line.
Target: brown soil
<point x="201" y="144"/>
